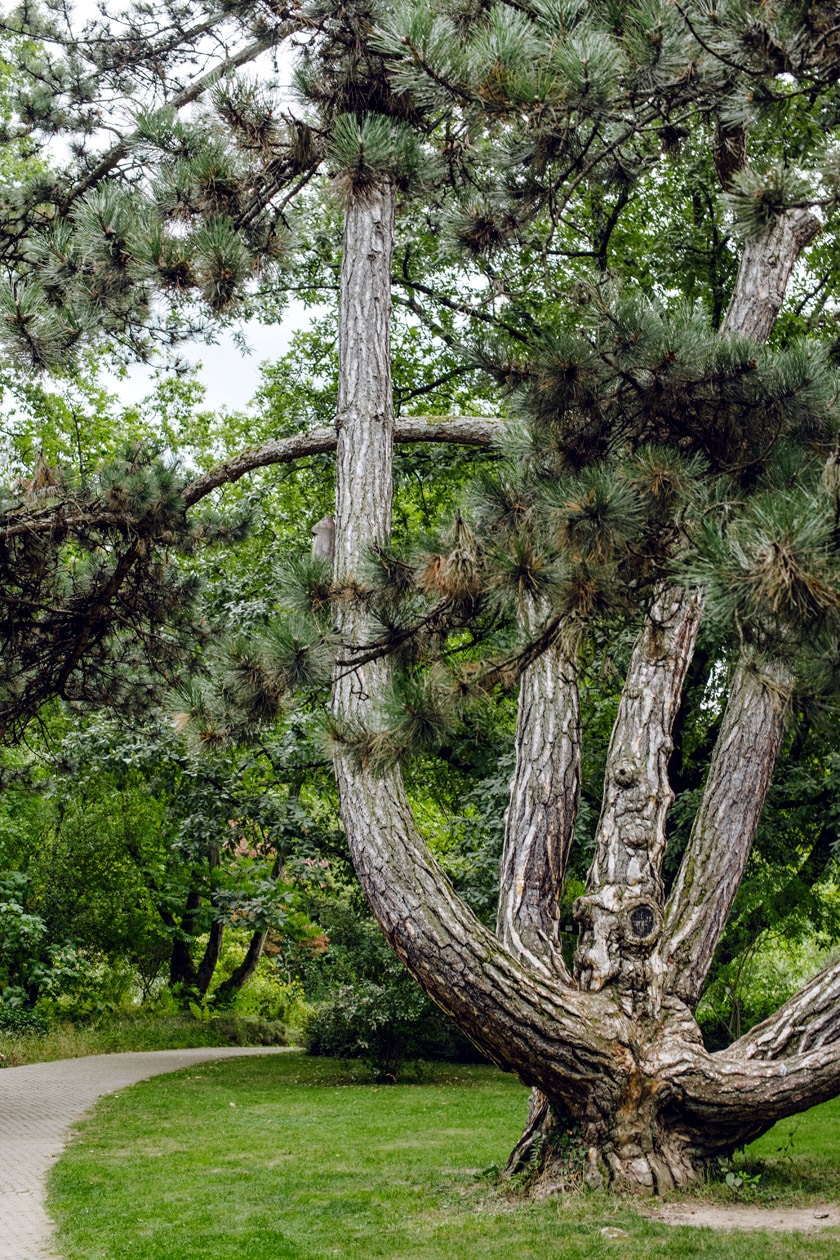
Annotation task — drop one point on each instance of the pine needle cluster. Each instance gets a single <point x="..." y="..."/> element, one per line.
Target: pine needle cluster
<point x="633" y="373"/>
<point x="95" y="608"/>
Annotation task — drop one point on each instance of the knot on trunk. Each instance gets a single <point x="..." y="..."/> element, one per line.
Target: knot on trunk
<point x="625" y="773"/>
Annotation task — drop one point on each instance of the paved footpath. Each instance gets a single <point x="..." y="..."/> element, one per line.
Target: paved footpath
<point x="38" y="1105"/>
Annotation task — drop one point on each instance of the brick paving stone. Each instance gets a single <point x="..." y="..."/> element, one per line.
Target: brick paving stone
<point x="38" y="1105"/>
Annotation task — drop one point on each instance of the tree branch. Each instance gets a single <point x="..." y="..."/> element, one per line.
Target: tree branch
<point x="766" y="265"/>
<point x="722" y="836"/>
<point x="456" y="430"/>
<point x="544" y="1032"/>
<point x="540" y="819"/>
<point x="748" y="746"/>
<point x="115" y="155"/>
<point x="808" y="1022"/>
<point x="732" y="1099"/>
<point x="624" y="878"/>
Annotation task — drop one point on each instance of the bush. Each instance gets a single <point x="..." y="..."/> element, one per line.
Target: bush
<point x="271" y="997"/>
<point x="243" y="1030"/>
<point x="19" y="1019"/>
<point x="368" y="1007"/>
<point x="385" y="1025"/>
<point x="82" y="986"/>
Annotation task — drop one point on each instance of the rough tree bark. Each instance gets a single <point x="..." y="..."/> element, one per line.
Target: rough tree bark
<point x="716" y="856"/>
<point x="540" y="819"/>
<point x="620" y="915"/>
<point x="619" y="1058"/>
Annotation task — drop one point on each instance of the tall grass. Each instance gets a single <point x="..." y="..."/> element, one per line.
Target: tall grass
<point x="168" y="1032"/>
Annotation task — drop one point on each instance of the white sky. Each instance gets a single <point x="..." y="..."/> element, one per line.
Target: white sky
<point x="230" y="377"/>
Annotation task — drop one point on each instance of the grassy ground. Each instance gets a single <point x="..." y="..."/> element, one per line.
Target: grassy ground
<point x="172" y="1032"/>
<point x="290" y="1158"/>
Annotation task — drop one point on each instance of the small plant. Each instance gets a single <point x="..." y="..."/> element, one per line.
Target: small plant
<point x="742" y="1184"/>
<point x="556" y="1158"/>
<point x="785" y="1149"/>
<point x="203" y="1012"/>
<point x="742" y="1180"/>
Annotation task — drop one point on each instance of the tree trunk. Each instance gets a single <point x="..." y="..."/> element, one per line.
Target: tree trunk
<point x="240" y="976"/>
<point x="210" y="957"/>
<point x="181" y="966"/>
<point x="621" y="913"/>
<point x="721" y="839"/>
<point x="766" y="266"/>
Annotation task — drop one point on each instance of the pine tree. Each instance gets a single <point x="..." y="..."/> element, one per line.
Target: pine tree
<point x="652" y="477"/>
<point x="673" y="470"/>
<point x="95" y="609"/>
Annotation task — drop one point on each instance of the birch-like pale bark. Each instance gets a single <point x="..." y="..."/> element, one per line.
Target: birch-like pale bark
<point x="620" y="915"/>
<point x="540" y="818"/>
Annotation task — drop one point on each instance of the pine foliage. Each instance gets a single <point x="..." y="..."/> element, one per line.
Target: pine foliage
<point x="94" y="608"/>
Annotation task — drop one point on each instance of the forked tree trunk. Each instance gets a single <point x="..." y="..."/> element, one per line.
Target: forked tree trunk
<point x="647" y="1105"/>
<point x="240" y="975"/>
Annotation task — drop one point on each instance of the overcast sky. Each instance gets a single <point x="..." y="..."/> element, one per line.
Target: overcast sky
<point x="230" y="377"/>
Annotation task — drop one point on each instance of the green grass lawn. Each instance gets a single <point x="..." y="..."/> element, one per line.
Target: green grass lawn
<point x="290" y="1158"/>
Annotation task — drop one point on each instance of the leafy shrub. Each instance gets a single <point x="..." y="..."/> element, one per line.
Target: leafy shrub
<point x="385" y="1025"/>
<point x="370" y="1008"/>
<point x="270" y="996"/>
<point x="239" y="1030"/>
<point x="20" y="1019"/>
<point x="22" y="933"/>
<point x="82" y="986"/>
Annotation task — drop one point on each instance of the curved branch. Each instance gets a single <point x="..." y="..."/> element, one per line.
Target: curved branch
<point x="731" y="1099"/>
<point x="455" y="430"/>
<point x="566" y="1043"/>
<point x="544" y="1031"/>
<point x="809" y="1021"/>
<point x="751" y="734"/>
<point x="115" y="155"/>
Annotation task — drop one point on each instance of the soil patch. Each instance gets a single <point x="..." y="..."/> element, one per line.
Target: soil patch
<point x="744" y="1216"/>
